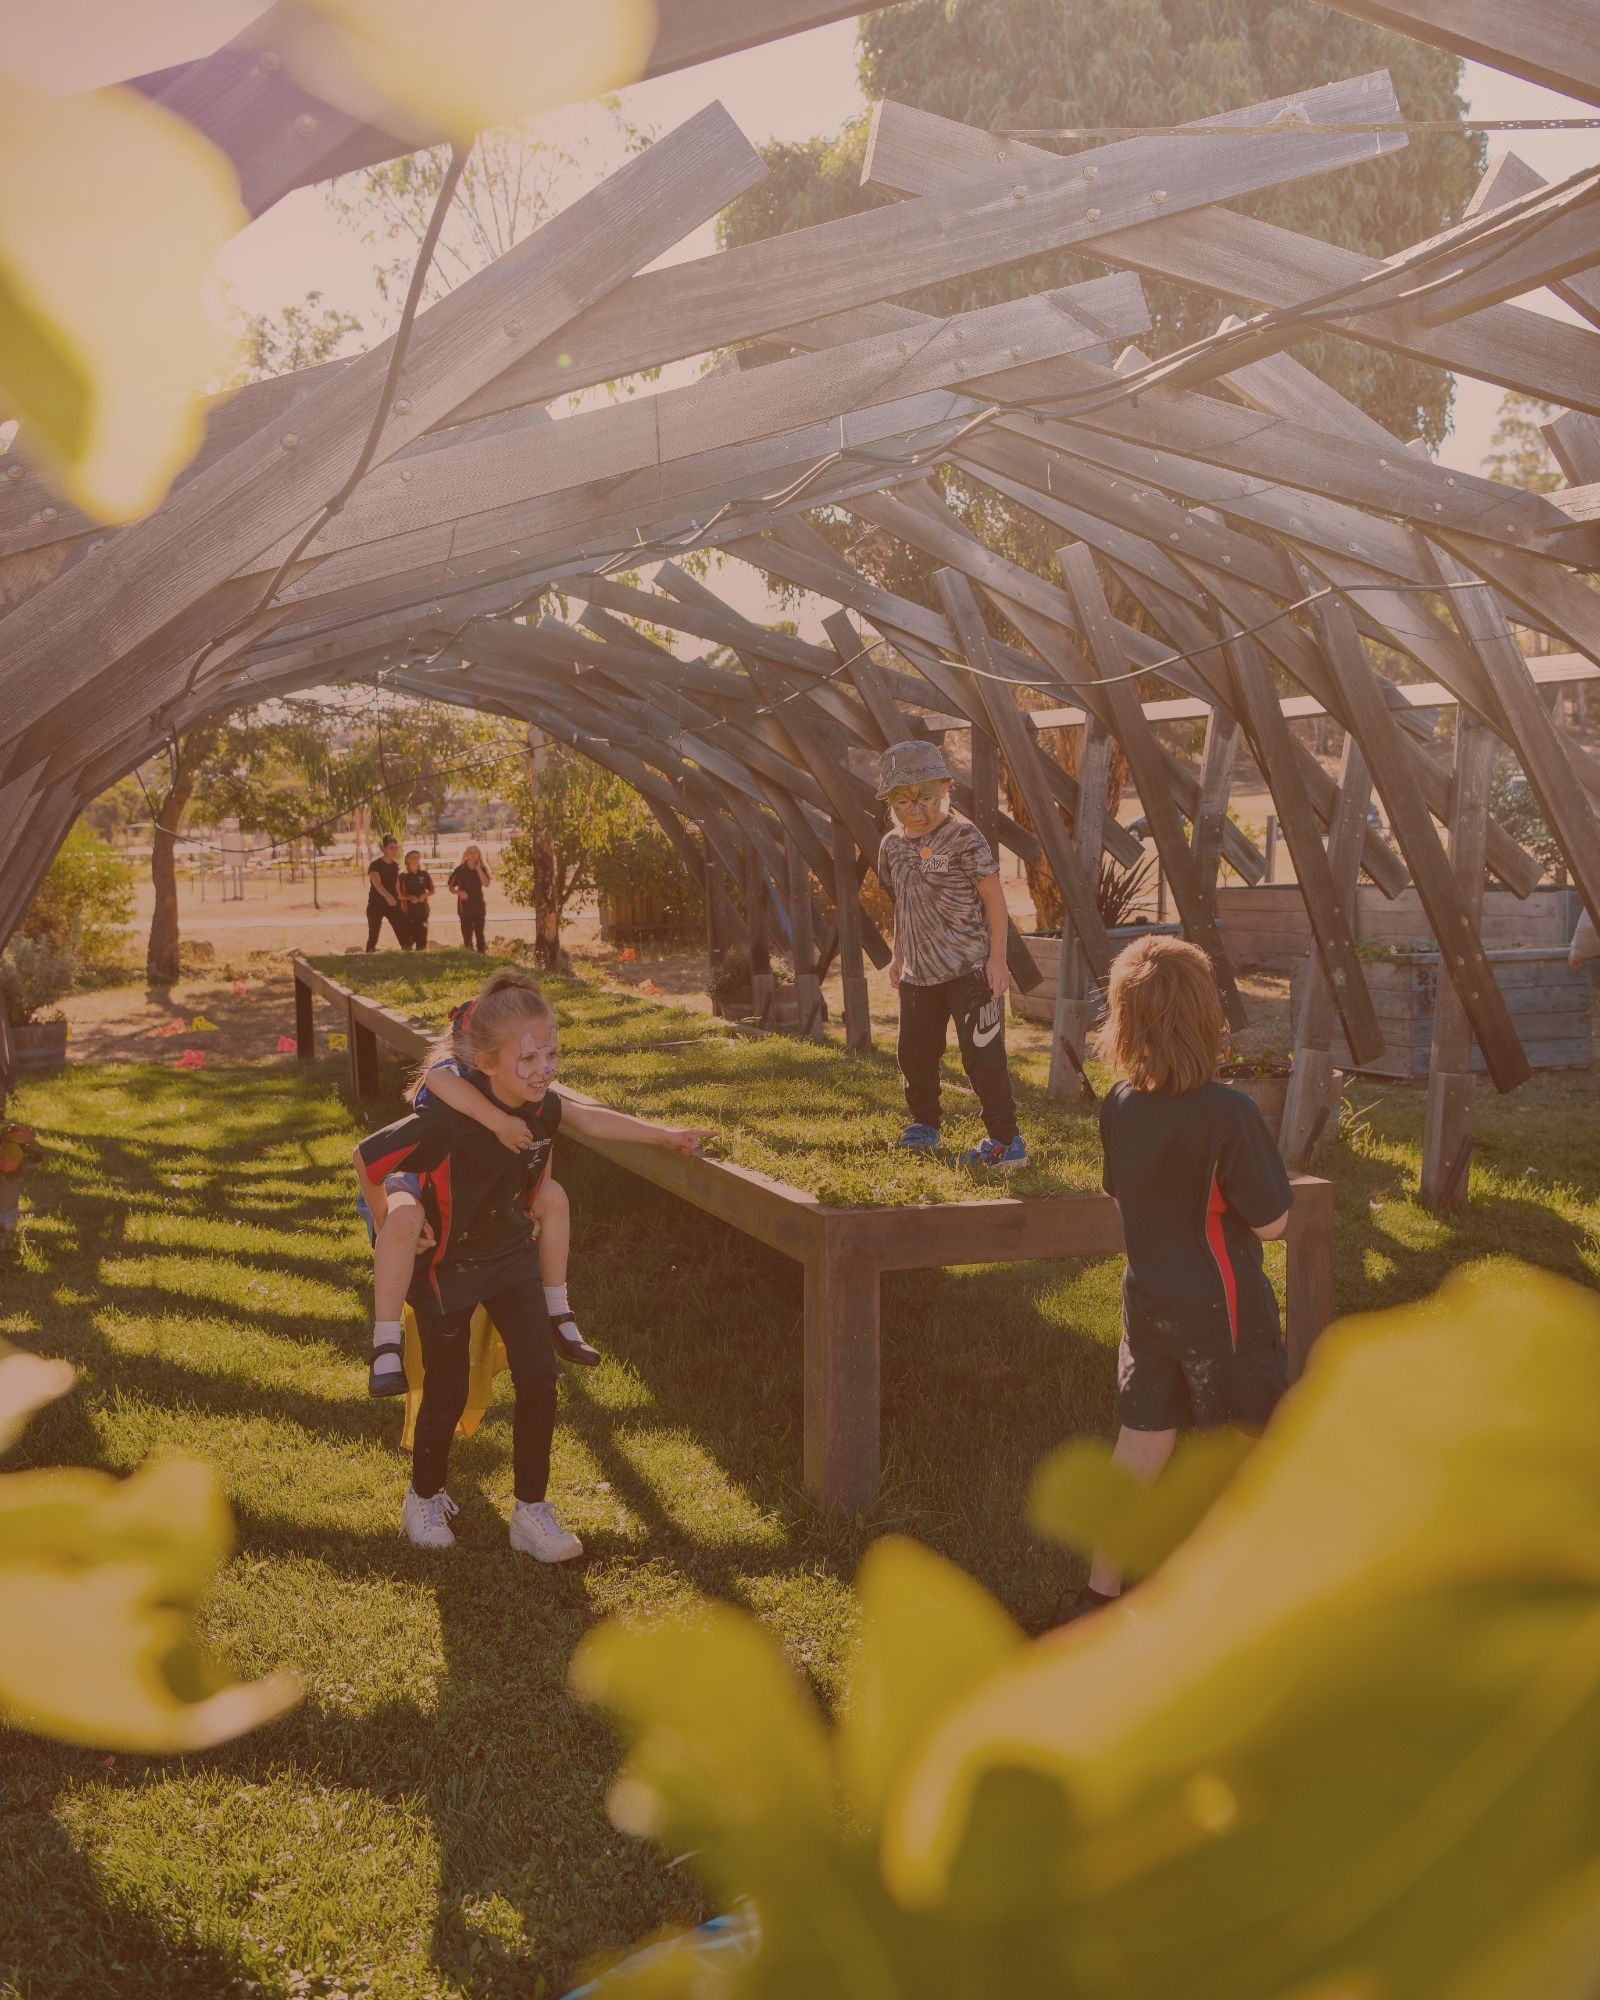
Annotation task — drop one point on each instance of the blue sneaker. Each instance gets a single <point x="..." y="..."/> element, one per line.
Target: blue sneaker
<point x="992" y="1154"/>
<point x="918" y="1138"/>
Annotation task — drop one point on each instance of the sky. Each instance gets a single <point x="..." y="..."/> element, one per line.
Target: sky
<point x="791" y="89"/>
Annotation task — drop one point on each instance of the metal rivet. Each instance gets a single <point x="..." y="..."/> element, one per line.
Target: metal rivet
<point x="270" y="61"/>
<point x="1438" y="506"/>
<point x="1449" y="482"/>
<point x="1383" y="464"/>
<point x="1355" y="548"/>
<point x="49" y="514"/>
<point x="1228" y="560"/>
<point x="407" y="474"/>
<point x="1015" y="353"/>
<point x="13" y="472"/>
<point x="1173" y="536"/>
<point x="289" y="440"/>
<point x="513" y="328"/>
<point x="1091" y="173"/>
<point x="1159" y="195"/>
<point x="305" y="124"/>
<point x="402" y="406"/>
<point x="1094" y="215"/>
<point x="1019" y="192"/>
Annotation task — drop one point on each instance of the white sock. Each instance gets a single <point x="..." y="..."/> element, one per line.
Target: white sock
<point x="385" y="1330"/>
<point x="555" y="1300"/>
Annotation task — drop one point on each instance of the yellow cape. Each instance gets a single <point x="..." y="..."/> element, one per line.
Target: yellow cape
<point x="488" y="1357"/>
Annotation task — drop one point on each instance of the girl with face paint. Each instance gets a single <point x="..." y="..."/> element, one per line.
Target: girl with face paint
<point x="483" y="1224"/>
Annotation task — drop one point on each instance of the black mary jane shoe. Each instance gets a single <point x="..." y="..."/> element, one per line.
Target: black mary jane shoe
<point x="387" y="1381"/>
<point x="569" y="1344"/>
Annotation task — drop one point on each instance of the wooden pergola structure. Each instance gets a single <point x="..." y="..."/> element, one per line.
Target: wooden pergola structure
<point x="1266" y="528"/>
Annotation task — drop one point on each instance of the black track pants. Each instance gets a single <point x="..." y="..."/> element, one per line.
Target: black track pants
<point x="520" y="1313"/>
<point x="471" y="915"/>
<point x="380" y="913"/>
<point x="925" y="1016"/>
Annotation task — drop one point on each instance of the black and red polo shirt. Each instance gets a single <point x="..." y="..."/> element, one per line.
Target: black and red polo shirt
<point x="476" y="1193"/>
<point x="1194" y="1176"/>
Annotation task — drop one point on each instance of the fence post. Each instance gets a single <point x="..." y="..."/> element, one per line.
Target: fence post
<point x="1308" y="1242"/>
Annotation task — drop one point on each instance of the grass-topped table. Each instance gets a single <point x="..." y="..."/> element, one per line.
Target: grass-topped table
<point x="821" y="1116"/>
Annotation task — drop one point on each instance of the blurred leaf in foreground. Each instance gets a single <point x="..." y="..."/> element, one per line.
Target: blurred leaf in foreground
<point x="106" y="341"/>
<point x="1083" y="1498"/>
<point x="101" y="1581"/>
<point x="405" y="65"/>
<point x="1343" y="1745"/>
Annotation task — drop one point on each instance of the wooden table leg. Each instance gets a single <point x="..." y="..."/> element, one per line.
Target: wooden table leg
<point x="363" y="1057"/>
<point x="841" y="1445"/>
<point x="305" y="1038"/>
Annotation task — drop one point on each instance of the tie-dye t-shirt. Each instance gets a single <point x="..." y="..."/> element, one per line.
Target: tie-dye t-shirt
<point x="939" y="922"/>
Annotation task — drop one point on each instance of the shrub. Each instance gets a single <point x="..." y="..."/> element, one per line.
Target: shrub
<point x="33" y="977"/>
<point x="84" y="901"/>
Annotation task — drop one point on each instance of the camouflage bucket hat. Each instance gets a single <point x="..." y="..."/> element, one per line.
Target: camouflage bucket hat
<point x="912" y="763"/>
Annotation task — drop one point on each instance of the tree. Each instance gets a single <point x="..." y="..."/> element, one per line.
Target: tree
<point x="516" y="177"/>
<point x="580" y="831"/>
<point x="84" y="901"/>
<point x="1047" y="64"/>
<point x="300" y="336"/>
<point x="1517" y="452"/>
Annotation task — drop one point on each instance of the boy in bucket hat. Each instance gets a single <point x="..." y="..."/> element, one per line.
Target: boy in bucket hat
<point x="949" y="958"/>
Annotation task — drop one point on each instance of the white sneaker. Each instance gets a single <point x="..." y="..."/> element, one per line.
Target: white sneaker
<point x="537" y="1533"/>
<point x="427" y="1522"/>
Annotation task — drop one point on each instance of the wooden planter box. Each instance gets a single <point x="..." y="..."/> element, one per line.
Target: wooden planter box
<point x="1040" y="1004"/>
<point x="1270" y="1094"/>
<point x="1267" y="927"/>
<point x="41" y="1045"/>
<point x="1549" y="1002"/>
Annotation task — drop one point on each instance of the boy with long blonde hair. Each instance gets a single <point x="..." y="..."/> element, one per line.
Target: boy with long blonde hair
<point x="1200" y="1186"/>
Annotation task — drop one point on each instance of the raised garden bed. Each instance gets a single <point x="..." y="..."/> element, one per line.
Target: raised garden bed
<point x="1045" y="948"/>
<point x="804" y="1091"/>
<point x="1549" y="1002"/>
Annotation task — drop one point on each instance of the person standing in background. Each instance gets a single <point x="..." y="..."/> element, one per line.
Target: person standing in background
<point x="469" y="879"/>
<point x="383" y="897"/>
<point x="416" y="887"/>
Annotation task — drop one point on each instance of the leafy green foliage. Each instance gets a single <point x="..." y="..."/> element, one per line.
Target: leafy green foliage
<point x="583" y="831"/>
<point x="33" y="977"/>
<point x="1513" y="802"/>
<point x="84" y="901"/>
<point x="1342" y="1743"/>
<point x="1517" y="451"/>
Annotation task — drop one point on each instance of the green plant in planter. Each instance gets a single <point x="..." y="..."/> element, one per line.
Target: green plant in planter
<point x="34" y="975"/>
<point x="1342" y="1742"/>
<point x="1119" y="891"/>
<point x="1235" y="1067"/>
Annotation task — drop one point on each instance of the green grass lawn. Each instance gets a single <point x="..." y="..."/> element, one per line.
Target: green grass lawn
<point x="430" y="1821"/>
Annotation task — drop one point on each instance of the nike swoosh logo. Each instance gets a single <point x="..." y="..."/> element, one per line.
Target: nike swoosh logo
<point x="980" y="1039"/>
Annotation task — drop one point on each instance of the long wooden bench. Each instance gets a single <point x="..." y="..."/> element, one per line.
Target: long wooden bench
<point x="844" y="1251"/>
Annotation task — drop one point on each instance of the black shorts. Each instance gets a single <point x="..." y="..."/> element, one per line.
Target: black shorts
<point x="1173" y="1392"/>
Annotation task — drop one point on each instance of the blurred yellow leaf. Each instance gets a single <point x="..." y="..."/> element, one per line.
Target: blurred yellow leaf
<point x="406" y="66"/>
<point x="928" y="1633"/>
<point x="27" y="1383"/>
<point x="1083" y="1498"/>
<point x="117" y="211"/>
<point x="1344" y="1744"/>
<point x="100" y="1584"/>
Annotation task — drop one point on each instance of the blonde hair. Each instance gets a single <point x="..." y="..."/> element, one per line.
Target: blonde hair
<point x="484" y="1025"/>
<point x="1164" y="1021"/>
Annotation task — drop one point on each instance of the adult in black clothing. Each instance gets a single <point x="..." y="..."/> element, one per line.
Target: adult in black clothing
<point x="478" y="1247"/>
<point x="383" y="897"/>
<point x="416" y="886"/>
<point x="469" y="879"/>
